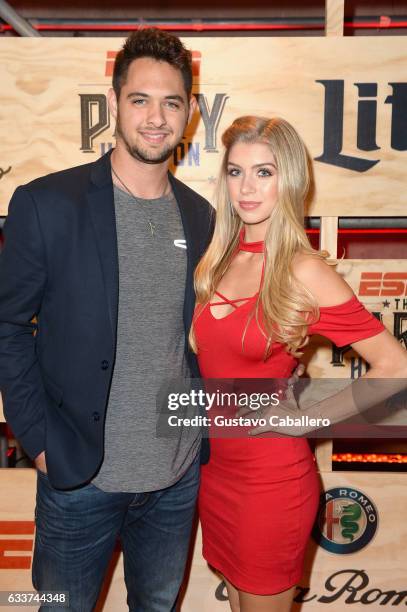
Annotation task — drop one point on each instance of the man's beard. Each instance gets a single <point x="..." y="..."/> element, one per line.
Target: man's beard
<point x="148" y="157"/>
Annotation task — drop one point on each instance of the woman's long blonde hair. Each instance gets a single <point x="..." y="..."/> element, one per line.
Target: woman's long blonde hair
<point x="287" y="306"/>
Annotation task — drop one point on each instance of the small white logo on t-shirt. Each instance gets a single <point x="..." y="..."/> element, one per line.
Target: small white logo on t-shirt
<point x="182" y="244"/>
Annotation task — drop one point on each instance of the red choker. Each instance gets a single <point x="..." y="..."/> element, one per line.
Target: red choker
<point x="252" y="247"/>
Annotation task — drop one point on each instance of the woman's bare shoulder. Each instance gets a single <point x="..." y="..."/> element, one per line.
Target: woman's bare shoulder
<point x="321" y="279"/>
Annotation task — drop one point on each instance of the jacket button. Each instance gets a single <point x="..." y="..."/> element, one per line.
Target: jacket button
<point x="104" y="365"/>
<point x="96" y="416"/>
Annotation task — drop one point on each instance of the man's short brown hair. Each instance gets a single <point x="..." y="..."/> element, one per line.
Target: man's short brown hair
<point x="157" y="44"/>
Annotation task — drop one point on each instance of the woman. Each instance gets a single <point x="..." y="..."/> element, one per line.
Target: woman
<point x="261" y="291"/>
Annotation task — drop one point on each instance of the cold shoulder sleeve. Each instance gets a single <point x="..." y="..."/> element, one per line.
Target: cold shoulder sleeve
<point x="346" y="323"/>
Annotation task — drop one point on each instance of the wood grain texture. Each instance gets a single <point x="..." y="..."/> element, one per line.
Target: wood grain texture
<point x="323" y="455"/>
<point x="334" y="17"/>
<point x="43" y="79"/>
<point x="329" y="235"/>
<point x="319" y="353"/>
<point x="383" y="559"/>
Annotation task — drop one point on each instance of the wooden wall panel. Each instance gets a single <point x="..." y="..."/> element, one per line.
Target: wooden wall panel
<point x="378" y="567"/>
<point x="381" y="285"/>
<point x="43" y="81"/>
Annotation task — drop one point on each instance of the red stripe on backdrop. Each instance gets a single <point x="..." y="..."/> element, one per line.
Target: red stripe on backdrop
<point x="382" y="23"/>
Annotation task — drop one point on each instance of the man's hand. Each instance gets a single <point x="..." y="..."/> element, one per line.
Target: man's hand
<point x="288" y="407"/>
<point x="295" y="377"/>
<point x="278" y="422"/>
<point x="40" y="462"/>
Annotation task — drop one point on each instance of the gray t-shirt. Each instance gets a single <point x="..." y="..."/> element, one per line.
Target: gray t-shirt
<point x="150" y="348"/>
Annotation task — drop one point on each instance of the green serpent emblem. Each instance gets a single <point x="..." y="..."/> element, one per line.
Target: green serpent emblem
<point x="352" y="513"/>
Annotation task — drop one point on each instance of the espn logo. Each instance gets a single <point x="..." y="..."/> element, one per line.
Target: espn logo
<point x="111" y="56"/>
<point x="389" y="284"/>
<point x="13" y="546"/>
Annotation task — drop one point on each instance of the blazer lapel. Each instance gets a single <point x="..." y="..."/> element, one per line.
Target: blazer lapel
<point x="188" y="218"/>
<point x="101" y="206"/>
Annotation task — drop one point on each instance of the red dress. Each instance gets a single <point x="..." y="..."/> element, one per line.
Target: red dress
<point x="259" y="496"/>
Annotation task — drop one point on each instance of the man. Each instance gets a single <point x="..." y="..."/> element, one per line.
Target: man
<point x="92" y="253"/>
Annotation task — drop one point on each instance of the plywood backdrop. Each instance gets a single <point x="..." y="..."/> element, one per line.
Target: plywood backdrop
<point x="381" y="285"/>
<point x="53" y="94"/>
<point x="375" y="573"/>
<point x="347" y="97"/>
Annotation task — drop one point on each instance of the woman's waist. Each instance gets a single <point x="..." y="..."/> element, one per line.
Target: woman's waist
<point x="260" y="455"/>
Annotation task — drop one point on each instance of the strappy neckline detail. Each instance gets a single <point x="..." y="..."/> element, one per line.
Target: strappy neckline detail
<point x="253" y="247"/>
<point x="233" y="303"/>
<point x="226" y="301"/>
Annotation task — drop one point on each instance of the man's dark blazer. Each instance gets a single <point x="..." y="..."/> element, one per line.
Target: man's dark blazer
<point x="60" y="264"/>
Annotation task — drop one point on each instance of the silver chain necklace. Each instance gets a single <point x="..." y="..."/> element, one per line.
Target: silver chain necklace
<point x="150" y="223"/>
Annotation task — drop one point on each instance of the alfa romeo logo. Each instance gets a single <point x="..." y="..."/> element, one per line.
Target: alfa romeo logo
<point x="346" y="522"/>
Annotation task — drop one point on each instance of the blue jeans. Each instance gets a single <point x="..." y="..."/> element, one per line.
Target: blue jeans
<point x="76" y="532"/>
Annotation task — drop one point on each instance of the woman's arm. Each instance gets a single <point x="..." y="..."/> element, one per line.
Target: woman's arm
<point x="385" y="355"/>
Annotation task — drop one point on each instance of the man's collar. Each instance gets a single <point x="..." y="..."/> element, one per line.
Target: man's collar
<point x="101" y="174"/>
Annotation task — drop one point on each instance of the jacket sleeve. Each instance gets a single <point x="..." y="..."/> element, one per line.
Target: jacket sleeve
<point x="22" y="283"/>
